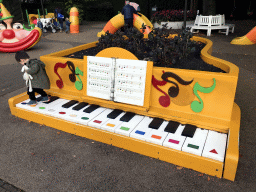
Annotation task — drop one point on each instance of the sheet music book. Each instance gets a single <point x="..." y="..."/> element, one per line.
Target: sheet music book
<point x="119" y="80"/>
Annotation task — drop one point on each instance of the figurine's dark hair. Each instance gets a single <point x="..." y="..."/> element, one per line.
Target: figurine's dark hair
<point x="21" y="55"/>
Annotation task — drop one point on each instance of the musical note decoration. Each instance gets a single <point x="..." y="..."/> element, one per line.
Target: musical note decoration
<point x="197" y="106"/>
<point x="79" y="84"/>
<point x="163" y="100"/>
<point x="59" y="82"/>
<point x="72" y="76"/>
<point x="173" y="91"/>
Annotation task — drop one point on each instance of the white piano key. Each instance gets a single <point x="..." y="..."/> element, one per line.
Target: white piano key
<point x="111" y="124"/>
<point x="195" y="145"/>
<point x="175" y="140"/>
<point x="158" y="136"/>
<point x="84" y="118"/>
<point x="49" y="109"/>
<point x="127" y="127"/>
<point x="141" y="130"/>
<point x="72" y="115"/>
<point x="63" y="113"/>
<point x="100" y="119"/>
<point x="215" y="146"/>
<point x="44" y="107"/>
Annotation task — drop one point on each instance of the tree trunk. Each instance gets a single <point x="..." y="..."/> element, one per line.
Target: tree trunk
<point x="209" y="7"/>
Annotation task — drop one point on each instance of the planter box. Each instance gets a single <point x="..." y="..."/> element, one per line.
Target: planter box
<point x="204" y="99"/>
<point x="173" y="25"/>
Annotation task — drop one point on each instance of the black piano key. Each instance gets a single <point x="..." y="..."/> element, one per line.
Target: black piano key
<point x="171" y="127"/>
<point x="69" y="104"/>
<point x="114" y="114"/>
<point x="91" y="108"/>
<point x="127" y="117"/>
<point x="52" y="98"/>
<point x="79" y="106"/>
<point x="156" y="123"/>
<point x="189" y="130"/>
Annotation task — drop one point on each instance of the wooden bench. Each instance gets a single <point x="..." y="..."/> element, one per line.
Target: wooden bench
<point x="210" y="23"/>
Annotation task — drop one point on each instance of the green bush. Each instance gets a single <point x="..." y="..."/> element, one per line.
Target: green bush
<point x="78" y="4"/>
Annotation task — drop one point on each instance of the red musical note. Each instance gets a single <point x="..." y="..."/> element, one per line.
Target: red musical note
<point x="163" y="100"/>
<point x="59" y="82"/>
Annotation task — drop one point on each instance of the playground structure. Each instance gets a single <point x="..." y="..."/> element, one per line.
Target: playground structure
<point x="33" y="17"/>
<point x="47" y="21"/>
<point x="17" y="37"/>
<point x="74" y="19"/>
<point x="248" y="39"/>
<point x="118" y="21"/>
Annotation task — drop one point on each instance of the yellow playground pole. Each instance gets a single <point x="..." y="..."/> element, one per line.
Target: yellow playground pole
<point x="74" y="19"/>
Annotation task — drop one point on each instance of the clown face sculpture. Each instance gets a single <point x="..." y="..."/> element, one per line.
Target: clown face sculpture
<point x="14" y="38"/>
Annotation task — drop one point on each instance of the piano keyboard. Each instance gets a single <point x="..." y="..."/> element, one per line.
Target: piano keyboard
<point x="186" y="138"/>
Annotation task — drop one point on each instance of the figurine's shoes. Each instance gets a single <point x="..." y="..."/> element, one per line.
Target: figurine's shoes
<point x="45" y="99"/>
<point x="38" y="99"/>
<point x="32" y="103"/>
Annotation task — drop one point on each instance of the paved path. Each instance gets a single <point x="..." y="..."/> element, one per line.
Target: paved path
<point x="37" y="158"/>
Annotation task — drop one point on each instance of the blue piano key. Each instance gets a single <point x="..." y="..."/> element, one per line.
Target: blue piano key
<point x="140" y="132"/>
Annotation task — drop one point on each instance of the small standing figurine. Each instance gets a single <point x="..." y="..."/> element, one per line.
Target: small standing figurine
<point x="39" y="24"/>
<point x="128" y="11"/>
<point x="60" y="18"/>
<point x="67" y="25"/>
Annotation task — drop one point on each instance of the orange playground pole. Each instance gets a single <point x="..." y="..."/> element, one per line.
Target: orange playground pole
<point x="74" y="19"/>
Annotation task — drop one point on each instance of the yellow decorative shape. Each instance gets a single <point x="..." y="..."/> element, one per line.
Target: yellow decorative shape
<point x="185" y="97"/>
<point x="242" y="41"/>
<point x="116" y="52"/>
<point x="32" y="17"/>
<point x="110" y="125"/>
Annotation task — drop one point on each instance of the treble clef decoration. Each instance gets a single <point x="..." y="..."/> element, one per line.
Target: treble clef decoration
<point x="197" y="106"/>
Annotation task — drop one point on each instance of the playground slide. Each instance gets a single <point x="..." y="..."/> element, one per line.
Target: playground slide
<point x="248" y="39"/>
<point x="118" y="21"/>
<point x="148" y="23"/>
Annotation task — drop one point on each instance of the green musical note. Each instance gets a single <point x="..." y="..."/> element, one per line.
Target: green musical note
<point x="79" y="84"/>
<point x="197" y="106"/>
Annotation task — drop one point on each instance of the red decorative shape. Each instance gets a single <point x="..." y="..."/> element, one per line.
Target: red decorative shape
<point x="59" y="82"/>
<point x="174" y="141"/>
<point x="163" y="100"/>
<point x="8" y="34"/>
<point x="62" y="113"/>
<point x="97" y="121"/>
<point x="214" y="151"/>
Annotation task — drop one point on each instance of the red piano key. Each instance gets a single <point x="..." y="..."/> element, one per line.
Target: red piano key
<point x="174" y="141"/>
<point x="97" y="121"/>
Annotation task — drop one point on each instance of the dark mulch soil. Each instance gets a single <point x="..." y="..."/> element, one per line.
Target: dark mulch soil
<point x="194" y="62"/>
